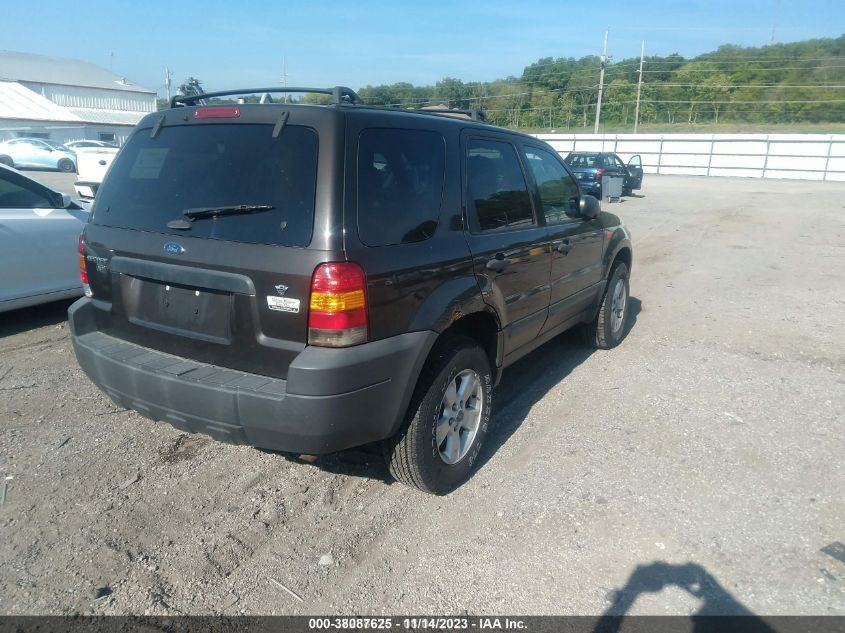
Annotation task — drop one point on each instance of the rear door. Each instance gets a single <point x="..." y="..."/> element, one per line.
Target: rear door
<point x="229" y="289"/>
<point x="576" y="242"/>
<point x="510" y="247"/>
<point x="38" y="239"/>
<point x="635" y="173"/>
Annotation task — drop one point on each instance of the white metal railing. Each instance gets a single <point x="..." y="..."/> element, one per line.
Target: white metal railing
<point x="799" y="156"/>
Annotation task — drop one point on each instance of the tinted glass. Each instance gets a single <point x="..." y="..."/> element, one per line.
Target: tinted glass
<point x="154" y="180"/>
<point x="496" y="186"/>
<point x="14" y="196"/>
<point x="559" y="193"/>
<point x="400" y="185"/>
<point x="582" y="160"/>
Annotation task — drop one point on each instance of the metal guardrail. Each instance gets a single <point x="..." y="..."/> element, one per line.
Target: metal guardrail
<point x="643" y="144"/>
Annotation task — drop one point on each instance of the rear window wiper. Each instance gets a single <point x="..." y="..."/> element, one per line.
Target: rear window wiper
<point x="213" y="212"/>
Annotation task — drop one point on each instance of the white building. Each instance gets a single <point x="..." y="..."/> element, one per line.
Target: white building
<point x="67" y="100"/>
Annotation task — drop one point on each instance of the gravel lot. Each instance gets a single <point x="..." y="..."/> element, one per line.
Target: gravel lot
<point x="696" y="468"/>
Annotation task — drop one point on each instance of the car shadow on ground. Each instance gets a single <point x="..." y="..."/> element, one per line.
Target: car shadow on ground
<point x="17" y="321"/>
<point x="715" y="600"/>
<point x="523" y="384"/>
<point x="527" y="381"/>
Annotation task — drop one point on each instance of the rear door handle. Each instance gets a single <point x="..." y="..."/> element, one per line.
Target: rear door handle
<point x="564" y="247"/>
<point x="498" y="264"/>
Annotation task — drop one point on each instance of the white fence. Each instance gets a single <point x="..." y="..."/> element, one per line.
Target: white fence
<point x="801" y="156"/>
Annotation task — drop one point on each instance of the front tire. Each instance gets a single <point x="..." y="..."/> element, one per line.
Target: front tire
<point x="608" y="328"/>
<point x="66" y="165"/>
<point x="447" y="420"/>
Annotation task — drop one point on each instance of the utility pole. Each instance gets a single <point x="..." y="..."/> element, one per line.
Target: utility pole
<point x="167" y="81"/>
<point x="639" y="88"/>
<point x="604" y="59"/>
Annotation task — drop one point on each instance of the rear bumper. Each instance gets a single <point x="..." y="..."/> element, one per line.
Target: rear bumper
<point x="333" y="398"/>
<point x="589" y="186"/>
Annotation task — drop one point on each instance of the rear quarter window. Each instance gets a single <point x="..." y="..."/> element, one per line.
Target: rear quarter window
<point x="400" y="185"/>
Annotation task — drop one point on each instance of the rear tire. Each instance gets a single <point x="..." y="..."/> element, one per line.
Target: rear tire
<point x="7" y="160"/>
<point x="66" y="165"/>
<point x="608" y="328"/>
<point x="438" y="445"/>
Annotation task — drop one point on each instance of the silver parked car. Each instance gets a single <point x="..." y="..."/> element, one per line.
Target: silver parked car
<point x="39" y="233"/>
<point x="36" y="152"/>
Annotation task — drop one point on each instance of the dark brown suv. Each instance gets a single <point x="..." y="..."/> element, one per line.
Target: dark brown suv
<point x="309" y="278"/>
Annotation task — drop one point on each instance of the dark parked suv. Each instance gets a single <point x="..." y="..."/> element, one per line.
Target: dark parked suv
<point x="590" y="167"/>
<point x="309" y="278"/>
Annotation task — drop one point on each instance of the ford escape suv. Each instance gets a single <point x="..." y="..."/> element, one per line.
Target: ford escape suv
<point x="309" y="278"/>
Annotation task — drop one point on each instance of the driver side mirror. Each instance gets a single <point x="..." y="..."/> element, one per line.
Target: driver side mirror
<point x="64" y="201"/>
<point x="589" y="206"/>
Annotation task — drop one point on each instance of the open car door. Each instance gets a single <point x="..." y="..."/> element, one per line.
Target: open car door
<point x="635" y="173"/>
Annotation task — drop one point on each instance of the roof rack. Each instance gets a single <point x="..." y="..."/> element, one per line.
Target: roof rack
<point x="474" y="114"/>
<point x="340" y="94"/>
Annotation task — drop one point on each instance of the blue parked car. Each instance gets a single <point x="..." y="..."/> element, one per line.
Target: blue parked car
<point x="589" y="167"/>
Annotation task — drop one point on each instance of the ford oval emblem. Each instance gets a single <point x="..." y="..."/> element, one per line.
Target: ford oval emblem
<point x="173" y="248"/>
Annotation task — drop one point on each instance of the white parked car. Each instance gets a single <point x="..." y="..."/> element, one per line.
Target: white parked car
<point x="39" y="233"/>
<point x="92" y="163"/>
<point x="75" y="145"/>
<point x="36" y="152"/>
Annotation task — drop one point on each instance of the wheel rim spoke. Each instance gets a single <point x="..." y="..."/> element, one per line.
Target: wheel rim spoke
<point x="470" y="421"/>
<point x="467" y="388"/>
<point x="441" y="431"/>
<point x="453" y="447"/>
<point x="451" y="395"/>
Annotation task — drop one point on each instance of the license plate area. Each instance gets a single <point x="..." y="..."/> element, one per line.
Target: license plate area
<point x="194" y="312"/>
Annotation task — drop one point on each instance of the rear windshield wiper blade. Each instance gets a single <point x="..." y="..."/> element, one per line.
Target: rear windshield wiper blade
<point x="213" y="212"/>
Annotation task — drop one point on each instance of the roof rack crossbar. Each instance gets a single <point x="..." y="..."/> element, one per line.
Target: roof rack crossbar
<point x="339" y="94"/>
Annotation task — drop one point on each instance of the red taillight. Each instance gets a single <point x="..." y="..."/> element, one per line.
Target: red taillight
<point x="83" y="271"/>
<point x="218" y="112"/>
<point x="337" y="315"/>
<point x="599" y="173"/>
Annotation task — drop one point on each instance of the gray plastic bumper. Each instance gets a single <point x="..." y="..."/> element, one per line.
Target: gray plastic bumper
<point x="333" y="398"/>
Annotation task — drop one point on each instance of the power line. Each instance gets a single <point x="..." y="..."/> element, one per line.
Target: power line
<point x="744" y="101"/>
<point x="714" y="60"/>
<point x="721" y="70"/>
<point x="701" y="85"/>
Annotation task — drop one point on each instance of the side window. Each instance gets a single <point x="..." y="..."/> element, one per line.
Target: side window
<point x="14" y="196"/>
<point x="559" y="193"/>
<point x="618" y="162"/>
<point x="496" y="187"/>
<point x="400" y="185"/>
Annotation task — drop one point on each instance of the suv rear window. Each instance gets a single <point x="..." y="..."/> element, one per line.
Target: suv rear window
<point x="400" y="185"/>
<point x="153" y="180"/>
<point x="582" y="160"/>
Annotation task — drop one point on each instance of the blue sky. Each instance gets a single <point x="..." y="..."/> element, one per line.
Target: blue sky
<point x="358" y="42"/>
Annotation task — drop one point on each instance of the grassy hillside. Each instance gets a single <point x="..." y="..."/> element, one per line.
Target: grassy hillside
<point x="797" y="87"/>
